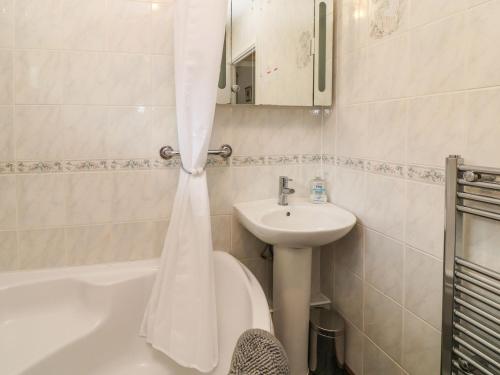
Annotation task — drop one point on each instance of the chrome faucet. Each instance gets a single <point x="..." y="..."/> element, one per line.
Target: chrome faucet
<point x="284" y="190"/>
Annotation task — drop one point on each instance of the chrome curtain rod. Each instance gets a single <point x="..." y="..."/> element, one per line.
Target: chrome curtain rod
<point x="225" y="151"/>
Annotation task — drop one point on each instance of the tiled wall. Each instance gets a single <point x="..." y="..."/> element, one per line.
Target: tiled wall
<point x="86" y="101"/>
<point x="416" y="81"/>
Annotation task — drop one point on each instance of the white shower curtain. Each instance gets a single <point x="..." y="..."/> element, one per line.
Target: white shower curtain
<point x="180" y="318"/>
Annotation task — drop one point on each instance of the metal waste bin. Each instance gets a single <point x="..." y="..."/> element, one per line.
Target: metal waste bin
<point x="326" y="342"/>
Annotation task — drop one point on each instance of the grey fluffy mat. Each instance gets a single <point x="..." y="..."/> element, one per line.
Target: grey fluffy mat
<point x="257" y="352"/>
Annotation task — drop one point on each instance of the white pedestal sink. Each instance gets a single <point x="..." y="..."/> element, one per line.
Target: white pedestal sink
<point x="294" y="230"/>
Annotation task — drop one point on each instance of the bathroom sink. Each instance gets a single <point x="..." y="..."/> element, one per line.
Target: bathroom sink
<point x="294" y="230"/>
<point x="300" y="224"/>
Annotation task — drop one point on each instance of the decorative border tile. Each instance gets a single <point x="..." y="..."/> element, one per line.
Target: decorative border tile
<point x="247" y="161"/>
<point x="216" y="161"/>
<point x="328" y="159"/>
<point x="7" y="167"/>
<point x="163" y="164"/>
<point x="426" y="174"/>
<point x="283" y="159"/>
<point x="40" y="167"/>
<point x="312" y="158"/>
<point x="411" y="172"/>
<point x="130" y="164"/>
<point x="390" y="169"/>
<point x="85" y="165"/>
<point x="352" y="163"/>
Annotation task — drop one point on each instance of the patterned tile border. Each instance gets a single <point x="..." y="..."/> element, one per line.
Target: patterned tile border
<point x="7" y="167"/>
<point x="352" y="163"/>
<point x="426" y="174"/>
<point x="61" y="166"/>
<point x="396" y="170"/>
<point x="248" y="161"/>
<point x="411" y="172"/>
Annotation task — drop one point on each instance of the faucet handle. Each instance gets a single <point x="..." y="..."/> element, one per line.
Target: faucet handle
<point x="284" y="180"/>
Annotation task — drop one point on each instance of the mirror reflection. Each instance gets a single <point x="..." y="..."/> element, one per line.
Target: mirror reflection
<point x="278" y="52"/>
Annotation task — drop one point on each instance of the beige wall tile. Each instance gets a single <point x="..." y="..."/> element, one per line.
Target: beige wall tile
<point x="437" y="56"/>
<point x="163" y="129"/>
<point x="85" y="130"/>
<point x="133" y="241"/>
<point x="423" y="286"/>
<point x="42" y="249"/>
<point x="86" y="77"/>
<point x="38" y="24"/>
<point x="384" y="264"/>
<point x="348" y="295"/>
<point x="129" y="25"/>
<point x="385" y="203"/>
<point x="354" y="348"/>
<point x="425" y="218"/>
<point x="163" y="86"/>
<point x="41" y="200"/>
<point x="89" y="244"/>
<point x="349" y="191"/>
<point x="164" y="188"/>
<point x="6" y="77"/>
<point x="39" y="133"/>
<point x="388" y="69"/>
<point x="8" y="251"/>
<point x="483" y="128"/>
<point x="425" y="11"/>
<point x="352" y="131"/>
<point x="7" y="132"/>
<point x="349" y="251"/>
<point x="221" y="232"/>
<point x="483" y="56"/>
<point x="133" y="196"/>
<point x="38" y="77"/>
<point x="128" y="132"/>
<point x="354" y="24"/>
<point x="436" y="128"/>
<point x="8" y="215"/>
<point x="219" y="189"/>
<point x="422" y="347"/>
<point x="89" y="198"/>
<point x="163" y="28"/>
<point x="383" y="322"/>
<point x="244" y="245"/>
<point x="387" y="131"/>
<point x="84" y="25"/>
<point x="130" y="79"/>
<point x="253" y="183"/>
<point x="6" y="23"/>
<point x="376" y="362"/>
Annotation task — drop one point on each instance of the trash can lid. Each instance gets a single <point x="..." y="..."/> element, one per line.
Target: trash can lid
<point x="327" y="322"/>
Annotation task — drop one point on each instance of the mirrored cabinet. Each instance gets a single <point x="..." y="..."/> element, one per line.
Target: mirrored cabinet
<point x="278" y="52"/>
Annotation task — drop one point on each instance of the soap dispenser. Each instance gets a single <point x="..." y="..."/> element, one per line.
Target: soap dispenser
<point x="318" y="191"/>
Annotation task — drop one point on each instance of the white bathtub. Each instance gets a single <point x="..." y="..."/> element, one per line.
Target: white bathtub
<point x="85" y="320"/>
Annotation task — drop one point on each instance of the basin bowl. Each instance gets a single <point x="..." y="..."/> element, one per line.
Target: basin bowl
<point x="298" y="225"/>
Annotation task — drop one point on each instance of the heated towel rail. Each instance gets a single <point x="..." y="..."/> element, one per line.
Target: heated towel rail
<point x="471" y="292"/>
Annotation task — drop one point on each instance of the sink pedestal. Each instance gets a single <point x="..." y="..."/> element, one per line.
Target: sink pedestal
<point x="291" y="299"/>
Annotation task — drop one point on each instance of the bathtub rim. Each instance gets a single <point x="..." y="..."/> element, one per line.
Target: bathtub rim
<point x="120" y="271"/>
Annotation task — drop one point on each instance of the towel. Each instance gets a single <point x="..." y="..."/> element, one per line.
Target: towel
<point x="257" y="352"/>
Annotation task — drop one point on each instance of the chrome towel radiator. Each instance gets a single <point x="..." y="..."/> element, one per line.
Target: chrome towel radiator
<point x="471" y="293"/>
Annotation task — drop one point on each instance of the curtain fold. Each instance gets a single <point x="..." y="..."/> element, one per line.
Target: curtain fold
<point x="181" y="318"/>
